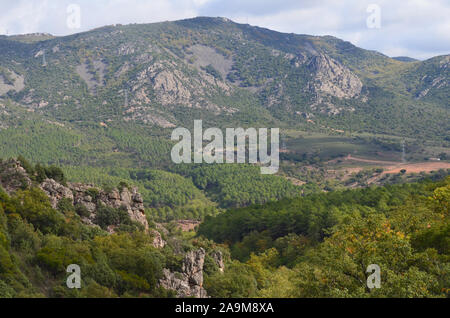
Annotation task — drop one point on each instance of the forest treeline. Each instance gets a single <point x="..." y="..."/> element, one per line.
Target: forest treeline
<point x="321" y="245"/>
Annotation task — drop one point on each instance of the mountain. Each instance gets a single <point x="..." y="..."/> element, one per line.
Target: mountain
<point x="217" y="69"/>
<point x="405" y="59"/>
<point x="110" y="97"/>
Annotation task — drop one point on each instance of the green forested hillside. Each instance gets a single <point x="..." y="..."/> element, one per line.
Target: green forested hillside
<point x="222" y="72"/>
<point x="321" y="245"/>
<point x="315" y="246"/>
<point x="238" y="185"/>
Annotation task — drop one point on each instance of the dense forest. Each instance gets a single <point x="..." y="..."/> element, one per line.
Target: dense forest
<point x="318" y="245"/>
<point x="321" y="245"/>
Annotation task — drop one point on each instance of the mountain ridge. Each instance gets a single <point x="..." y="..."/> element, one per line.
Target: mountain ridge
<point x="158" y="76"/>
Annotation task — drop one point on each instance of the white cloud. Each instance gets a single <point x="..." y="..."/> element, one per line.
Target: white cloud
<point x="417" y="28"/>
<point x="24" y="17"/>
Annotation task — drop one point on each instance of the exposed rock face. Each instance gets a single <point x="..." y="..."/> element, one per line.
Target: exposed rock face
<point x="13" y="176"/>
<point x="87" y="74"/>
<point x="55" y="191"/>
<point x="193" y="266"/>
<point x="333" y="78"/>
<point x="167" y="83"/>
<point x="187" y="225"/>
<point x="10" y="81"/>
<point x="205" y="55"/>
<point x="158" y="241"/>
<point x="81" y="194"/>
<point x="189" y="283"/>
<point x="130" y="199"/>
<point x="327" y="80"/>
<point x="436" y="81"/>
<point x="218" y="259"/>
<point x="164" y="82"/>
<point x="170" y="88"/>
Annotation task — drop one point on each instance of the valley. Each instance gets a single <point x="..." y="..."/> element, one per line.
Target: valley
<point x="86" y="175"/>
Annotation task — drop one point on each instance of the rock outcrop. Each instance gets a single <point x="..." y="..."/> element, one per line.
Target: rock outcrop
<point x="188" y="283"/>
<point x="13" y="176"/>
<point x="78" y="193"/>
<point x="437" y="80"/>
<point x="218" y="259"/>
<point x="10" y="81"/>
<point x="158" y="241"/>
<point x="332" y="78"/>
<point x="131" y="200"/>
<point x="55" y="191"/>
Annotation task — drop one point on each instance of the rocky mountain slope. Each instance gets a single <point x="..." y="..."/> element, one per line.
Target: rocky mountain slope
<point x="166" y="74"/>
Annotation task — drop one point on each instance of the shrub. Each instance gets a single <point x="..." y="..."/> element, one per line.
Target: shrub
<point x="110" y="216"/>
<point x="5" y="290"/>
<point x="65" y="206"/>
<point x="55" y="173"/>
<point x="93" y="193"/>
<point x="123" y="185"/>
<point x="34" y="206"/>
<point x="26" y="165"/>
<point x="82" y="211"/>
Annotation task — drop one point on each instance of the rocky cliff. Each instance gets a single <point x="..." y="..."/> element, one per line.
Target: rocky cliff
<point x="14" y="177"/>
<point x="188" y="283"/>
<point x="82" y="194"/>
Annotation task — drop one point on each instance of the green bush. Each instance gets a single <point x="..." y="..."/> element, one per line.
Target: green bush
<point x="106" y="216"/>
<point x="65" y="206"/>
<point x="6" y="291"/>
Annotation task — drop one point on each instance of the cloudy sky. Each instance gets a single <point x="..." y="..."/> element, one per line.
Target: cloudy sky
<point x="416" y="28"/>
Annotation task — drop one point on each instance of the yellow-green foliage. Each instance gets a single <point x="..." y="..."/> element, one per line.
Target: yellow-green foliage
<point x="403" y="229"/>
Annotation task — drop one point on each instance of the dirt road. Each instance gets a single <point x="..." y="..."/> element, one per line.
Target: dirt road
<point x="396" y="167"/>
<point x="417" y="167"/>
